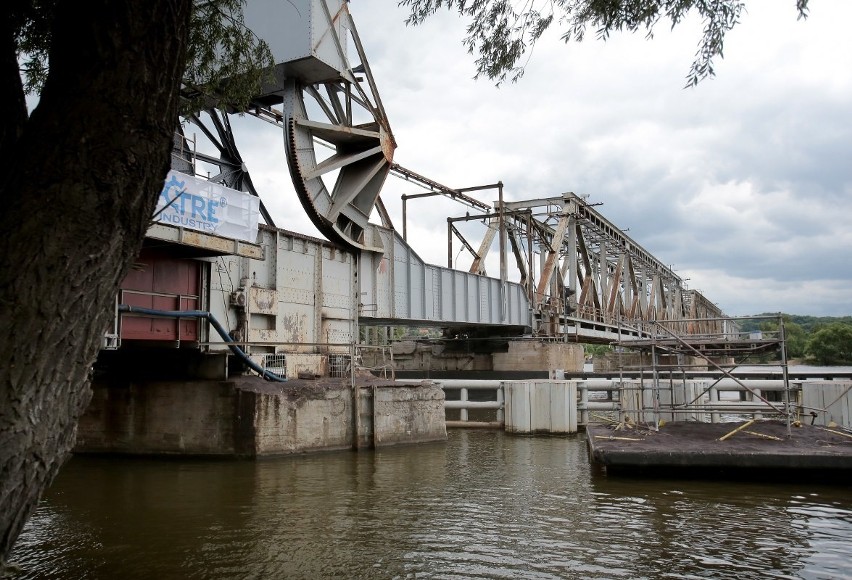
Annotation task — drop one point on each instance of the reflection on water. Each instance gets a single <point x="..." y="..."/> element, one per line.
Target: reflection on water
<point x="481" y="505"/>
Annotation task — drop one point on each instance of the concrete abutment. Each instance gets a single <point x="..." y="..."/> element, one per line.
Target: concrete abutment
<point x="529" y="355"/>
<point x="250" y="417"/>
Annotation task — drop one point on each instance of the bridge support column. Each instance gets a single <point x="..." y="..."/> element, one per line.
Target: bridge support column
<point x="540" y="356"/>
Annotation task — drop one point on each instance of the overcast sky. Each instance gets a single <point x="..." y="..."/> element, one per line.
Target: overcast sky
<point x="742" y="184"/>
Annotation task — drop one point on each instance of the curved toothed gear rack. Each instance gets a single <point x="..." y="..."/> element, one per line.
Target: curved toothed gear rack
<point x="338" y="164"/>
<point x="338" y="141"/>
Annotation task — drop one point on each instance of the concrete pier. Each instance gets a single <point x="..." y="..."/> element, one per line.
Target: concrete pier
<point x="250" y="417"/>
<point x="506" y="358"/>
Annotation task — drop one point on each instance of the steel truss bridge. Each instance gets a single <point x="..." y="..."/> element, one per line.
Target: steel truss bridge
<point x="578" y="277"/>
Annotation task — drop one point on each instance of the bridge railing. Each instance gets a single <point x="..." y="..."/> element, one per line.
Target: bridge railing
<point x="481" y="403"/>
<point x="488" y="397"/>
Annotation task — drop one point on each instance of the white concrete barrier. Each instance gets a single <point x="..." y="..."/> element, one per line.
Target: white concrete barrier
<point x="541" y="406"/>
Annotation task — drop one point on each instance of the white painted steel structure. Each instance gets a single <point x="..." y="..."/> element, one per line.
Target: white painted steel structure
<point x="581" y="278"/>
<point x="398" y="287"/>
<point x="301" y="292"/>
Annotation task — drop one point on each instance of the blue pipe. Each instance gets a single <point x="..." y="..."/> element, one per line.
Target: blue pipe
<point x="270" y="376"/>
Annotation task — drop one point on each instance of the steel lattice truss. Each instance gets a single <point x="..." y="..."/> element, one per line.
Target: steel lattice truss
<point x="581" y="270"/>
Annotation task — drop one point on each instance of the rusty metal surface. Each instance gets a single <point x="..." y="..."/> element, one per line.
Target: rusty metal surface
<point x="264" y="300"/>
<point x="213" y="244"/>
<point x="162" y="282"/>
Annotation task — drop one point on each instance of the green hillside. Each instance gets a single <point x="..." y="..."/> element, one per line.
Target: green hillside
<point x="823" y="340"/>
<point x="808" y="323"/>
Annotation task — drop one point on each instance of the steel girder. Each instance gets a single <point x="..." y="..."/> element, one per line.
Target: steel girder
<point x="589" y="272"/>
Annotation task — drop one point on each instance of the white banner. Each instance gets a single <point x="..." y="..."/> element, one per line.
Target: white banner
<point x="198" y="204"/>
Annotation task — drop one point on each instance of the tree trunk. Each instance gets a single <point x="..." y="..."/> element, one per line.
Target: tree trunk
<point x="79" y="187"/>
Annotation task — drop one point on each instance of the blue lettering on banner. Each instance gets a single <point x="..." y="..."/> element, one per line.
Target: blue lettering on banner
<point x="188" y="209"/>
<point x="187" y="222"/>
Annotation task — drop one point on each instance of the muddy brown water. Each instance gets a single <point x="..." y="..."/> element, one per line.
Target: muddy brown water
<point x="481" y="505"/>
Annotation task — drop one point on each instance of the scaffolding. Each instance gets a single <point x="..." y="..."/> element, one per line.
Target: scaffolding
<point x="719" y="347"/>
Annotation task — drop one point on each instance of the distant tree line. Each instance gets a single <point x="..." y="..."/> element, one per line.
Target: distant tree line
<point x="807" y="323"/>
<point x="819" y="340"/>
<point x="822" y="340"/>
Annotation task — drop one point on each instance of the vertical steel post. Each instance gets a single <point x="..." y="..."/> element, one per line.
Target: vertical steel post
<point x="530" y="278"/>
<point x="655" y="393"/>
<point x="782" y="337"/>
<point x="449" y="244"/>
<point x="404" y="217"/>
<point x="604" y="280"/>
<point x="501" y="231"/>
<point x="501" y="224"/>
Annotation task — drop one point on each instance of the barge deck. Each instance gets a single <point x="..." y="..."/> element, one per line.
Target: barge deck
<point x="757" y="449"/>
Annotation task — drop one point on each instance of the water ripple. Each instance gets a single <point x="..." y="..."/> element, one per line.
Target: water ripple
<point x="484" y="505"/>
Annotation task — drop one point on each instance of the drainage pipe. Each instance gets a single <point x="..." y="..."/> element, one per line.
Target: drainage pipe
<point x="270" y="376"/>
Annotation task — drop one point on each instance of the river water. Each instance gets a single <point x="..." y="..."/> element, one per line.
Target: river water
<point x="482" y="505"/>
